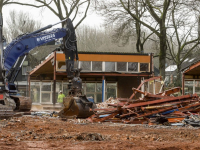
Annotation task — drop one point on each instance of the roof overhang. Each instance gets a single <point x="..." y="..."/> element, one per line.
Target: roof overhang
<point x="193" y="69"/>
<point x="46" y="67"/>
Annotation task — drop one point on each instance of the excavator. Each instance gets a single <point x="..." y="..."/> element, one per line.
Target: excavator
<point x="13" y="56"/>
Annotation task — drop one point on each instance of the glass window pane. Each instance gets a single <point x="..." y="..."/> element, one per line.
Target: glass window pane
<point x="96" y="66"/>
<point x="46" y="97"/>
<point x="99" y="87"/>
<point x="84" y="88"/>
<point x="85" y="65"/>
<point x="46" y="86"/>
<point x="65" y="88"/>
<point x="22" y="90"/>
<point x="58" y="86"/>
<point x="121" y="66"/>
<point x="109" y="66"/>
<point x="35" y="92"/>
<point x="111" y="90"/>
<point x="144" y="67"/>
<point x="197" y="87"/>
<point x="90" y="95"/>
<point x="90" y="87"/>
<point x="99" y="98"/>
<point x="188" y="87"/>
<point x="132" y="66"/>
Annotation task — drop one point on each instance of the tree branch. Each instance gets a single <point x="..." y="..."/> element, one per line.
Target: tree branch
<point x="84" y="15"/>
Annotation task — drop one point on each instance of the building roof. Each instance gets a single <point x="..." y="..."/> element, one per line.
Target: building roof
<point x="171" y="68"/>
<point x="113" y="53"/>
<point x="43" y="51"/>
<point x="190" y="61"/>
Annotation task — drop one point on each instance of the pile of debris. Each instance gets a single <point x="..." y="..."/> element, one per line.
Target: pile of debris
<point x="111" y="100"/>
<point x="161" y="108"/>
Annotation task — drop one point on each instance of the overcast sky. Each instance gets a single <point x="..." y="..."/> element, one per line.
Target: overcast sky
<point x="47" y="17"/>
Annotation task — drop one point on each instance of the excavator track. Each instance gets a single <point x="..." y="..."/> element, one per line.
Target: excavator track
<point x="22" y="103"/>
<point x="6" y="112"/>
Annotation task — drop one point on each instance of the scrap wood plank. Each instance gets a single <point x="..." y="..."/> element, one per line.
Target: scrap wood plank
<point x="94" y="118"/>
<point x="168" y="104"/>
<point x="147" y="114"/>
<point x="149" y="95"/>
<point x="161" y="101"/>
<point x="147" y="80"/>
<point x="189" y="106"/>
<point x="170" y="91"/>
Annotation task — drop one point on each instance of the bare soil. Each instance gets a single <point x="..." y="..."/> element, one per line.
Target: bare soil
<point x="35" y="133"/>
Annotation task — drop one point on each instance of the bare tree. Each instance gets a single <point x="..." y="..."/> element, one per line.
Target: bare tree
<point x="183" y="36"/>
<point x="75" y="9"/>
<point x="98" y="39"/>
<point x="126" y="27"/>
<point x="151" y="14"/>
<point x="20" y="23"/>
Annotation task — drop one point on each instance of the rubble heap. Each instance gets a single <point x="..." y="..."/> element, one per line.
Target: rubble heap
<point x="161" y="108"/>
<point x="104" y="104"/>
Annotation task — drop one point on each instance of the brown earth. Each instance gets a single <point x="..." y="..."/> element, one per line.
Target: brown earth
<point x="35" y="133"/>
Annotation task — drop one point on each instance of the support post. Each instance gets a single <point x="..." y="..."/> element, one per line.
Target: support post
<point x="54" y="80"/>
<point x="183" y="83"/>
<point x="103" y="88"/>
<point x="142" y="88"/>
<point x="29" y="85"/>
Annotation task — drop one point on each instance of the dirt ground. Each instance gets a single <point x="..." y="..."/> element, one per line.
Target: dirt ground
<point x="35" y="133"/>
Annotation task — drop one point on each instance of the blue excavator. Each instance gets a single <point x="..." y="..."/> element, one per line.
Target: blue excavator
<point x="13" y="56"/>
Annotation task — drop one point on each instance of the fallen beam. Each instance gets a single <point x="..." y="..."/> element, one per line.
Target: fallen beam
<point x="161" y="101"/>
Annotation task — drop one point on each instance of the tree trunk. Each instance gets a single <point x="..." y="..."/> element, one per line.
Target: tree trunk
<point x="163" y="49"/>
<point x="179" y="77"/>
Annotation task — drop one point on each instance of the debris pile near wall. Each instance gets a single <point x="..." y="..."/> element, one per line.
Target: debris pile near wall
<point x="104" y="104"/>
<point x="161" y="108"/>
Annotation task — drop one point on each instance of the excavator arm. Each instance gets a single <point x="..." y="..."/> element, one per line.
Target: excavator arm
<point x="13" y="56"/>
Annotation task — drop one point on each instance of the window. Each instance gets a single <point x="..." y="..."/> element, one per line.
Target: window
<point x="46" y="86"/>
<point x="22" y="90"/>
<point x="133" y="66"/>
<point x="111" y="90"/>
<point x="85" y="65"/>
<point x="65" y="88"/>
<point x="46" y="97"/>
<point x="35" y="92"/>
<point x="197" y="87"/>
<point x="25" y="69"/>
<point x="121" y="66"/>
<point x="93" y="90"/>
<point x="90" y="87"/>
<point x="109" y="66"/>
<point x="144" y="67"/>
<point x="46" y="92"/>
<point x="96" y="66"/>
<point x="58" y="89"/>
<point x="188" y="87"/>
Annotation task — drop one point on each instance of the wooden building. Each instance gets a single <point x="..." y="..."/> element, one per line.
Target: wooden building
<point x="103" y="74"/>
<point x="191" y="77"/>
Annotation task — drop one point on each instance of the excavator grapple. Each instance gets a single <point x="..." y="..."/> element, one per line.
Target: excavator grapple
<point x="76" y="106"/>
